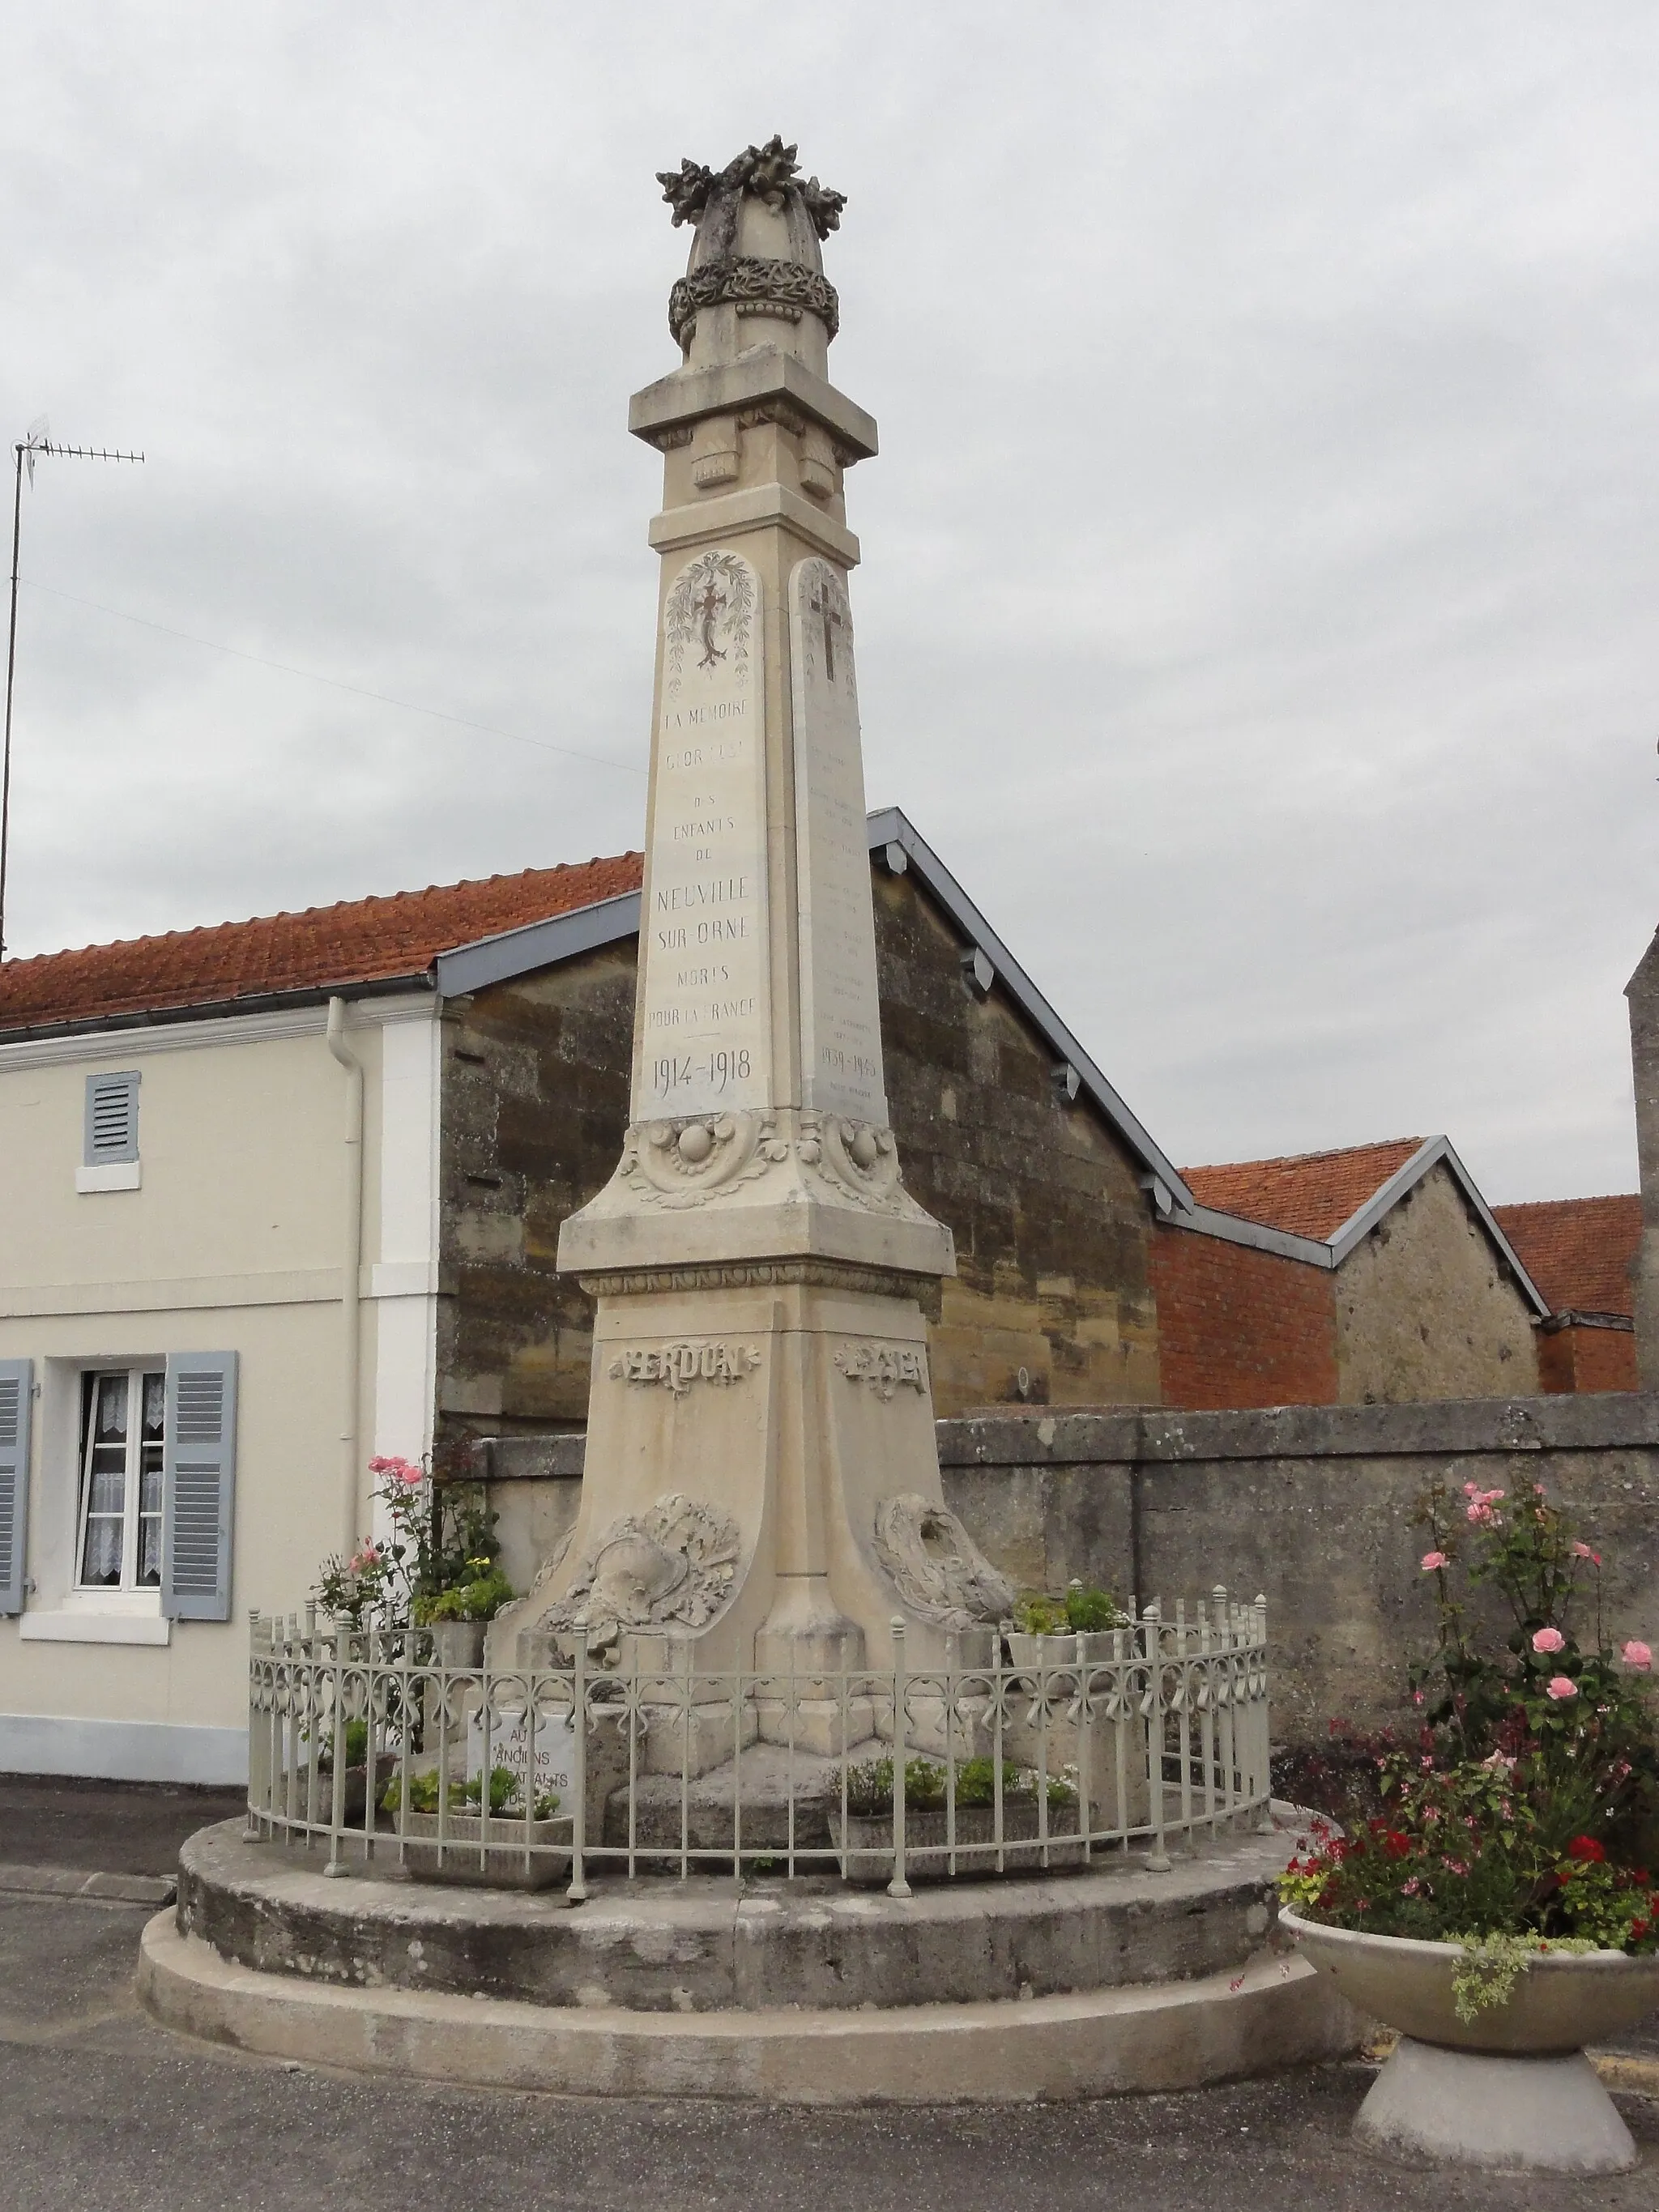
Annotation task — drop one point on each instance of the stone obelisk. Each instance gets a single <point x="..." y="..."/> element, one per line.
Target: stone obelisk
<point x="762" y="1474"/>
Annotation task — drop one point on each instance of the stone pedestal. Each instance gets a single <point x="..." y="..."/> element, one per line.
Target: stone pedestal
<point x="762" y="1479"/>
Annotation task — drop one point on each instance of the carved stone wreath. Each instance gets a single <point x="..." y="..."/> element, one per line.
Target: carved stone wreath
<point x="683" y="1163"/>
<point x="755" y="280"/>
<point x="936" y="1566"/>
<point x="673" y="1566"/>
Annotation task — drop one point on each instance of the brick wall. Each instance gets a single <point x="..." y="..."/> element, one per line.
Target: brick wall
<point x="1580" y="1358"/>
<point x="1241" y="1328"/>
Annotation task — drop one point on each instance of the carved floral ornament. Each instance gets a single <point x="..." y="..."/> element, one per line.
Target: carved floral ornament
<point x="769" y="172"/>
<point x="709" y="612"/>
<point x="935" y="1566"/>
<point x="694" y="1158"/>
<point x="671" y="1566"/>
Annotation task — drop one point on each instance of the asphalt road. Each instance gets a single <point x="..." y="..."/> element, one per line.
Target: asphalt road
<point x="100" y="2110"/>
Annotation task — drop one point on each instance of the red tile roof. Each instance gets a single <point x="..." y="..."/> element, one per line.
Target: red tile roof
<point x="326" y="948"/>
<point x="1309" y="1195"/>
<point x="1581" y="1252"/>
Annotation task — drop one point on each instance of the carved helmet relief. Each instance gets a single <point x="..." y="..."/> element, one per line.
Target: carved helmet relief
<point x="935" y="1566"/>
<point x="671" y="1566"/>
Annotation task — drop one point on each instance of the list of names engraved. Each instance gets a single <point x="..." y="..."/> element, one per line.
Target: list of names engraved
<point x="841" y="1022"/>
<point x="702" y="1043"/>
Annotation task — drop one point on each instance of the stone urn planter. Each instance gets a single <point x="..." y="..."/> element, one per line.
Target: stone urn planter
<point x="1511" y="2088"/>
<point x="485" y="1853"/>
<point x="866" y="1847"/>
<point x="457" y="1642"/>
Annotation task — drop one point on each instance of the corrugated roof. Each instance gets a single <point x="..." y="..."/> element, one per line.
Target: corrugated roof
<point x="1305" y="1195"/>
<point x="1581" y="1252"/>
<point x="326" y="948"/>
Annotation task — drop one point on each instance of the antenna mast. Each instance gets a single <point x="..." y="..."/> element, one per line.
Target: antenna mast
<point x="27" y="449"/>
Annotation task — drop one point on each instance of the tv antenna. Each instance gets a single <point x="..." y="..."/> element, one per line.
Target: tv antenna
<point x="34" y="445"/>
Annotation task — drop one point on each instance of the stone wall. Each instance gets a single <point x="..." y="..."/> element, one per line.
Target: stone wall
<point x="1237" y="1326"/>
<point x="1051" y="1225"/>
<point x="535" y="1101"/>
<point x="1425" y="1308"/>
<point x="1643" y="993"/>
<point x="1311" y="1506"/>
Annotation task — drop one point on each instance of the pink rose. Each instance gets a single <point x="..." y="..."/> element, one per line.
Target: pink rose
<point x="1584" y="1552"/>
<point x="1638" y="1655"/>
<point x="1434" y="1560"/>
<point x="1548" y="1639"/>
<point x="1560" y="1687"/>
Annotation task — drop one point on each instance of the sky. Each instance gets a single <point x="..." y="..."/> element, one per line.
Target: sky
<point x="1259" y="604"/>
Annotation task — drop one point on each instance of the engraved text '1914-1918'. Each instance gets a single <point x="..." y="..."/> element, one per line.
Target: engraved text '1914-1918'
<point x="703" y="933"/>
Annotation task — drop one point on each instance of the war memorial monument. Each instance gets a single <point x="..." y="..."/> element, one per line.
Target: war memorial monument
<point x="789" y="1809"/>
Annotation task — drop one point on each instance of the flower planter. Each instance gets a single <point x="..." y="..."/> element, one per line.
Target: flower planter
<point x="489" y="1854"/>
<point x="1511" y="2088"/>
<point x="866" y="1846"/>
<point x="457" y="1642"/>
<point x="356" y="1789"/>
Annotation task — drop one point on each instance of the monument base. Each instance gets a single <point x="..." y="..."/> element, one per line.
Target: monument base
<point x="1080" y="1985"/>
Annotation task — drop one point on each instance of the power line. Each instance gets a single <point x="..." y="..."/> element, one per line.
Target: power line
<point x="357" y="690"/>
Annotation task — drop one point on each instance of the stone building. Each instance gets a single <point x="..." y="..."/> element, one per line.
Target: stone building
<point x="1007" y="1130"/>
<point x="1368" y="1276"/>
<point x="1582" y="1253"/>
<point x="1642" y="993"/>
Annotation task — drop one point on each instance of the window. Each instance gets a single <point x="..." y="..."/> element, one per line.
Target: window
<point x="119" y="1538"/>
<point x="110" y="1146"/>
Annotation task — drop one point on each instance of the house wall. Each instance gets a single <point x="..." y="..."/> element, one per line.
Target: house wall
<point x="1237" y="1326"/>
<point x="1424" y="1308"/>
<point x="1581" y="1357"/>
<point x="233" y="1243"/>
<point x="1643" y="994"/>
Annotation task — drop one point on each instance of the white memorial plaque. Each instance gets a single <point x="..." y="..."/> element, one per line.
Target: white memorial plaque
<point x="841" y="1020"/>
<point x="509" y="1746"/>
<point x="703" y="1043"/>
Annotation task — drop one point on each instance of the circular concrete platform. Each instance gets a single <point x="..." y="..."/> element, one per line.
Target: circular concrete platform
<point x="1070" y="1986"/>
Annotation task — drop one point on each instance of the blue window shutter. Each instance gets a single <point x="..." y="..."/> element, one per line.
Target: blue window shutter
<point x="199" y="1457"/>
<point x="111" y="1126"/>
<point x="16" y="1411"/>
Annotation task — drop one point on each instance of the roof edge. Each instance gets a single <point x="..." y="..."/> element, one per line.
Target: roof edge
<point x="889" y="825"/>
<point x="1429" y="1155"/>
<point x="218" y="1009"/>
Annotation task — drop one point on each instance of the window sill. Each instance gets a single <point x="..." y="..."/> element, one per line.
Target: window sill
<point x="115" y="1174"/>
<point x="94" y="1628"/>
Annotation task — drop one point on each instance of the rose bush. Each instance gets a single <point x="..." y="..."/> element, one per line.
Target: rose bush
<point x="1520" y="1812"/>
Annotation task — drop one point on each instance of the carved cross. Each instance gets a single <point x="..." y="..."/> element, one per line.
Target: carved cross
<point x="825" y="608"/>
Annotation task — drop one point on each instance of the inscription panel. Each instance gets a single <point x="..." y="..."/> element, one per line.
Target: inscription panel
<point x="703" y="1039"/>
<point x="841" y="1022"/>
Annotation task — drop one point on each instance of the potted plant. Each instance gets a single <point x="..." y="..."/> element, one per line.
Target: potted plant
<point x="1499" y="1911"/>
<point x="931" y="1790"/>
<point x="458" y="1616"/>
<point x="494" y="1848"/>
<point x="1046" y="1628"/>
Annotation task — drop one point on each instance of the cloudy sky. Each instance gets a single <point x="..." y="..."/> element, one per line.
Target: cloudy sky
<point x="1260" y="610"/>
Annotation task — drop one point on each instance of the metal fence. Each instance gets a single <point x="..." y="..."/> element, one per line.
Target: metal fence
<point x="1021" y="1753"/>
